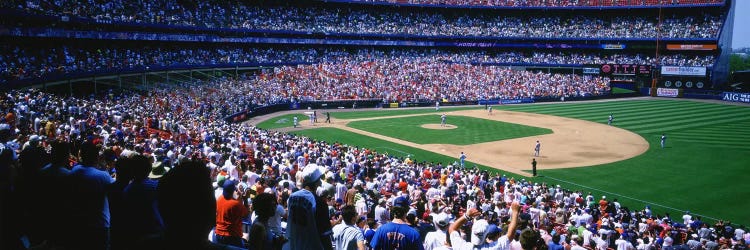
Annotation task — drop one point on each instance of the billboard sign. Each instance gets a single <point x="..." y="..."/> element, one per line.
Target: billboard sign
<point x="625" y="69"/>
<point x="667" y="92"/>
<point x="692" y="47"/>
<point x="736" y="97"/>
<point x="683" y="71"/>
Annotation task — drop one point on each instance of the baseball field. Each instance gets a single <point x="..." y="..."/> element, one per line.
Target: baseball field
<point x="704" y="168"/>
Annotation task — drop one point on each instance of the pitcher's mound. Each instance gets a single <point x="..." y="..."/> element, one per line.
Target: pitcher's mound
<point x="437" y="126"/>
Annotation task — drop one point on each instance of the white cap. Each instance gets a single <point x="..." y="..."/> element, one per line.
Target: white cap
<point x="478" y="231"/>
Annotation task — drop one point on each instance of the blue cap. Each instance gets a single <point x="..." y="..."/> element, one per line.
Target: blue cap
<point x="401" y="202"/>
<point x="492" y="229"/>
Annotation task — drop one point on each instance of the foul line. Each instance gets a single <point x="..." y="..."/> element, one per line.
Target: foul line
<point x="631" y="198"/>
<point x="405" y="153"/>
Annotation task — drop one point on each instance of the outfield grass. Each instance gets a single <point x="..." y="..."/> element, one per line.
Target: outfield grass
<point x="469" y="130"/>
<point x="621" y="91"/>
<point x="704" y="167"/>
<point x="357" y="114"/>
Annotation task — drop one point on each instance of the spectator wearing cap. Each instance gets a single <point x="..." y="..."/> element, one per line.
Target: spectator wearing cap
<point x="346" y="235"/>
<point x="229" y="214"/>
<point x="302" y="230"/>
<point x="479" y="231"/>
<point x="437" y="238"/>
<point x="381" y="212"/>
<point x="397" y="234"/>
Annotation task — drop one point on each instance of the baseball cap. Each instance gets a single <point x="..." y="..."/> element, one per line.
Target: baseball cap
<point x="441" y="220"/>
<point x="401" y="202"/>
<point x="478" y="232"/>
<point x="311" y="174"/>
<point x="492" y="229"/>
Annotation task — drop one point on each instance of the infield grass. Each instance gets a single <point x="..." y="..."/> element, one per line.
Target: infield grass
<point x="469" y="130"/>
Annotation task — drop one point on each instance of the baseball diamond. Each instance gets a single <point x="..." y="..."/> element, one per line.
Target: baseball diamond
<point x="706" y="148"/>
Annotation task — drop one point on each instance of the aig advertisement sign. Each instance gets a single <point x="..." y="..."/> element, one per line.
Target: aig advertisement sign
<point x="736" y="97"/>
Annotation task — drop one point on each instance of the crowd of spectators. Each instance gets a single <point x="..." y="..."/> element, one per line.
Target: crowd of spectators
<point x="20" y="62"/>
<point x="77" y="171"/>
<point x="546" y="3"/>
<point x="340" y="20"/>
<point x="395" y="79"/>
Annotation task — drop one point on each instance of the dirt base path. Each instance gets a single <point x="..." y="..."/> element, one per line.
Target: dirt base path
<point x="573" y="143"/>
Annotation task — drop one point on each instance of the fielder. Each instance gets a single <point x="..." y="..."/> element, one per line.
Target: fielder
<point x="663" y="139"/>
<point x="537" y="148"/>
<point x="442" y="120"/>
<point x="611" y="119"/>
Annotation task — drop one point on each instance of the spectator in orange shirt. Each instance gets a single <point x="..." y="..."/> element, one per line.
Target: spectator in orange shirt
<point x="229" y="214"/>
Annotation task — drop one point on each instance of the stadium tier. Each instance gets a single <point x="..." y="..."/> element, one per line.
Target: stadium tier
<point x="123" y="123"/>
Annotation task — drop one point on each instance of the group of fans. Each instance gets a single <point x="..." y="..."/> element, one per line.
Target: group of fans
<point x="22" y="62"/>
<point x="163" y="171"/>
<point x="548" y="3"/>
<point x="348" y="20"/>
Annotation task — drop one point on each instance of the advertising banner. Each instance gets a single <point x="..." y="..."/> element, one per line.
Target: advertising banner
<point x="736" y="97"/>
<point x="613" y="46"/>
<point x="683" y="71"/>
<point x="665" y="92"/>
<point x="692" y="47"/>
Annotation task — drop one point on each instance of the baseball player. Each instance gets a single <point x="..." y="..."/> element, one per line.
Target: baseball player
<point x="537" y="148"/>
<point x="296" y="122"/>
<point x="462" y="158"/>
<point x="663" y="139"/>
<point x="611" y="118"/>
<point x="442" y="120"/>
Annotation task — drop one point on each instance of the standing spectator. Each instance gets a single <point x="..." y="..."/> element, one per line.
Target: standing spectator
<point x="302" y="231"/>
<point x="436" y="238"/>
<point x="346" y="235"/>
<point x="397" y="234"/>
<point x="260" y="234"/>
<point x="55" y="180"/>
<point x="229" y="214"/>
<point x="479" y="229"/>
<point x="90" y="216"/>
<point x="142" y="218"/>
<point x="187" y="204"/>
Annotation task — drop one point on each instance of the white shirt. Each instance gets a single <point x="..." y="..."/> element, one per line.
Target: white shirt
<point x="434" y="240"/>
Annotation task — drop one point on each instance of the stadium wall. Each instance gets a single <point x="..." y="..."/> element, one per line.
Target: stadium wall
<point x="720" y="74"/>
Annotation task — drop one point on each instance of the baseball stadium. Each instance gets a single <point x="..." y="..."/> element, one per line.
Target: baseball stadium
<point x="423" y="124"/>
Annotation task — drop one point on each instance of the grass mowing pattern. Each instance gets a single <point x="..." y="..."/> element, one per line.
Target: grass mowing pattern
<point x="469" y="130"/>
<point x="284" y="121"/>
<point x="381" y="146"/>
<point x="616" y="90"/>
<point x="704" y="167"/>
